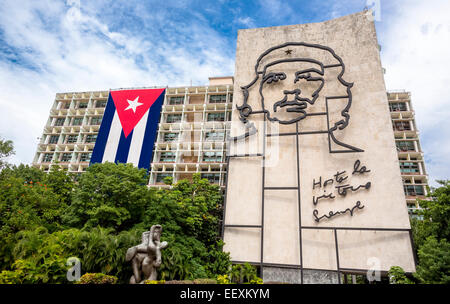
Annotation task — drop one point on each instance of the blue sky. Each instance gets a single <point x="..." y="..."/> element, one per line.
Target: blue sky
<point x="50" y="46"/>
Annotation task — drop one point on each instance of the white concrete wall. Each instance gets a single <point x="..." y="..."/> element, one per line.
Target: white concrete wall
<point x="353" y="38"/>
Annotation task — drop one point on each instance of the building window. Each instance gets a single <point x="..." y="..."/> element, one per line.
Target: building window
<point x="65" y="105"/>
<point x="212" y="156"/>
<point x="413" y="190"/>
<point x="213" y="178"/>
<point x="170" y="136"/>
<point x="100" y="103"/>
<point x="77" y="121"/>
<point x="167" y="157"/>
<point x="85" y="157"/>
<point x="53" y="139"/>
<point x="66" y="157"/>
<point x="90" y="138"/>
<point x="397" y="106"/>
<point x="216" y="116"/>
<point x="96" y="121"/>
<point x="59" y="121"/>
<point x="176" y="100"/>
<point x="405" y="145"/>
<point x="408" y="167"/>
<point x="172" y="118"/>
<point x="161" y="176"/>
<point x="402" y="126"/>
<point x="47" y="157"/>
<point x="82" y="105"/>
<point x="215" y="136"/>
<point x="217" y="98"/>
<point x="72" y="139"/>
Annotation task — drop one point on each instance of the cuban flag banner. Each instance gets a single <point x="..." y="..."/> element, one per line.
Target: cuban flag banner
<point x="128" y="129"/>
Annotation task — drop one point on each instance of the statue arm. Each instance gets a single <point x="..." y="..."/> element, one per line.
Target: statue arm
<point x="143" y="247"/>
<point x="151" y="245"/>
<point x="131" y="252"/>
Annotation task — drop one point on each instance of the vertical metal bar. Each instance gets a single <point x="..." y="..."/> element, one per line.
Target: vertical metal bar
<point x="299" y="204"/>
<point x="328" y="125"/>
<point x="337" y="256"/>
<point x="262" y="195"/>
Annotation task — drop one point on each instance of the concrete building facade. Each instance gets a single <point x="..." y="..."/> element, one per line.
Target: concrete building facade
<point x="191" y="136"/>
<point x="315" y="94"/>
<point x="410" y="154"/>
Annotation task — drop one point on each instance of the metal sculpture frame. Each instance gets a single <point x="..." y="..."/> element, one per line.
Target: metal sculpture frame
<point x="245" y="111"/>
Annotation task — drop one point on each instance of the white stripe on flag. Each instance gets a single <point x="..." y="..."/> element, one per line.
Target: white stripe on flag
<point x="113" y="139"/>
<point x="138" y="139"/>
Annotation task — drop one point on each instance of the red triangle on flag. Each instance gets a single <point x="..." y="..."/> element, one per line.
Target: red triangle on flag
<point x="131" y="105"/>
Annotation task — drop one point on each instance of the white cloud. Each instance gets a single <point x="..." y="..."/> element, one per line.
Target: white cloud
<point x="415" y="53"/>
<point x="248" y="22"/>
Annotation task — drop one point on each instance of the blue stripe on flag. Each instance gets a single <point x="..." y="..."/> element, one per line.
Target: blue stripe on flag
<point x="103" y="133"/>
<point x="150" y="132"/>
<point x="124" y="148"/>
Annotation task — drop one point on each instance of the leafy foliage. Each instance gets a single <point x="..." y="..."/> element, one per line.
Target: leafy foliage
<point x="152" y="282"/>
<point x="109" y="195"/>
<point x="97" y="278"/>
<point x="240" y="274"/>
<point x="6" y="150"/>
<point x="397" y="276"/>
<point x="26" y="203"/>
<point x="244" y="273"/>
<point x="51" y="270"/>
<point x="223" y="279"/>
<point x="434" y="265"/>
<point x="47" y="218"/>
<point x="432" y="237"/>
<point x="436" y="212"/>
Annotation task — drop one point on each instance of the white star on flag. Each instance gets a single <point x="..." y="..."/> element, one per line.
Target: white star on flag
<point x="133" y="104"/>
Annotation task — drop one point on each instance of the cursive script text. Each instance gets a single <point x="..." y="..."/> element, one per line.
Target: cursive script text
<point x="334" y="213"/>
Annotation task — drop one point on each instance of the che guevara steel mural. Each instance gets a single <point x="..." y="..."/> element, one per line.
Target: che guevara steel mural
<point x="313" y="167"/>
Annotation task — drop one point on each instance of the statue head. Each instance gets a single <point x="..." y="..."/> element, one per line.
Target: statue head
<point x="155" y="232"/>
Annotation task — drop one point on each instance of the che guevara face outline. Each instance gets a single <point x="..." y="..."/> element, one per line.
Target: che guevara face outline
<point x="299" y="103"/>
<point x="294" y="100"/>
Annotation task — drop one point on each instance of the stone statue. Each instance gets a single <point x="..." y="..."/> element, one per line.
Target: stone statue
<point x="146" y="257"/>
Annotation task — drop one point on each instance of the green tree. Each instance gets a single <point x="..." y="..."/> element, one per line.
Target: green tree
<point x="109" y="195"/>
<point x="192" y="207"/>
<point x="25" y="205"/>
<point x="61" y="182"/>
<point x="434" y="262"/>
<point x="432" y="236"/>
<point x="436" y="212"/>
<point x="189" y="212"/>
<point x="24" y="172"/>
<point x="47" y="218"/>
<point x="397" y="276"/>
<point x="6" y="150"/>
